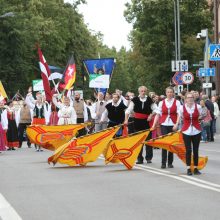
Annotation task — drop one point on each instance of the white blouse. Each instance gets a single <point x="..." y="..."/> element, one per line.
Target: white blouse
<point x="191" y="130"/>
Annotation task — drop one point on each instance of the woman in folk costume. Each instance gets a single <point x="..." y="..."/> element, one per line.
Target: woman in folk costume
<point x="191" y="129"/>
<point x="2" y="131"/>
<point x="41" y="111"/>
<point x="66" y="113"/>
<point x="11" y="125"/>
<point x="167" y="113"/>
<point x="54" y="115"/>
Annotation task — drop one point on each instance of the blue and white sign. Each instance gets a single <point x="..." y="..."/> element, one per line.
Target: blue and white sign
<point x="214" y="52"/>
<point x="206" y="72"/>
<point x="179" y="65"/>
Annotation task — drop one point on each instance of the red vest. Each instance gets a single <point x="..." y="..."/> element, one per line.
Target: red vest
<point x="169" y="112"/>
<point x="189" y="120"/>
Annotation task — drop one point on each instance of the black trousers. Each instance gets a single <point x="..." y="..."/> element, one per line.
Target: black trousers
<point x="140" y="125"/>
<point x="81" y="132"/>
<point x="166" y="130"/>
<point x="131" y="125"/>
<point x="210" y="136"/>
<point x="21" y="129"/>
<point x="192" y="142"/>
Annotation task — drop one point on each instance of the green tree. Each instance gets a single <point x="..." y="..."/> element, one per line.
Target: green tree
<point x="153" y="37"/>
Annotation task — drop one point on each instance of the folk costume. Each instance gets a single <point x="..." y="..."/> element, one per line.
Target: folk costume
<point x="41" y="112"/>
<point x="25" y="115"/>
<point x="142" y="108"/>
<point x="168" y="109"/>
<point x="66" y="113"/>
<point x="81" y="113"/>
<point x="10" y="118"/>
<point x="3" y="138"/>
<point x="99" y="108"/>
<point x="115" y="112"/>
<point x="191" y="133"/>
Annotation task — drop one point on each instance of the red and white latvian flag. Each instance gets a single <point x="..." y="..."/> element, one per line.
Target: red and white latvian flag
<point x="45" y="73"/>
<point x="69" y="75"/>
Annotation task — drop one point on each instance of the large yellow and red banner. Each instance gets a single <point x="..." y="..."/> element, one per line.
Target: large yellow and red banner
<point x="174" y="143"/>
<point x="52" y="137"/>
<point x="84" y="149"/>
<point x="125" y="149"/>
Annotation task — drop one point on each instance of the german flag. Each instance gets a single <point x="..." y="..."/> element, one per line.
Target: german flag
<point x="69" y="75"/>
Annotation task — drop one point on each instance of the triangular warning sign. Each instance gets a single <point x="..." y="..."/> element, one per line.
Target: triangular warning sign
<point x="216" y="53"/>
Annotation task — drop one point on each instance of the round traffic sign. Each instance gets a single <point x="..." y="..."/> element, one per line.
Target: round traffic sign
<point x="187" y="78"/>
<point x="177" y="78"/>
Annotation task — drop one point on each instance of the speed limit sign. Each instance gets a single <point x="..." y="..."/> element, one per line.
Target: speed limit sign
<point x="187" y="78"/>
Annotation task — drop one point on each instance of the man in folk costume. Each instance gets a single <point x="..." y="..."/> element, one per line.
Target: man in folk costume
<point x="66" y="113"/>
<point x="25" y="115"/>
<point x="41" y="111"/>
<point x="81" y="111"/>
<point x="2" y="131"/>
<point x="10" y="125"/>
<point x="191" y="129"/>
<point x="99" y="108"/>
<point x="167" y="113"/>
<point x="143" y="108"/>
<point x="115" y="112"/>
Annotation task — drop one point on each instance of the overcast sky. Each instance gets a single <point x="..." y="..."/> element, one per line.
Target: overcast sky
<point x="107" y="17"/>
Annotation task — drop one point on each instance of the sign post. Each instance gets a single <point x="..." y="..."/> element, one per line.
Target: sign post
<point x="187" y="79"/>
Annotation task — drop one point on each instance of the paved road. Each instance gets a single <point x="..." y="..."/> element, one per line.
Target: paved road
<point x="34" y="190"/>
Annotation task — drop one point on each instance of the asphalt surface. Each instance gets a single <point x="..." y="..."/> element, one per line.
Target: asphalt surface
<point x="38" y="191"/>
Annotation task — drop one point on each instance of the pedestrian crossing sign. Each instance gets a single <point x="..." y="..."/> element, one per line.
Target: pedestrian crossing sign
<point x="214" y="52"/>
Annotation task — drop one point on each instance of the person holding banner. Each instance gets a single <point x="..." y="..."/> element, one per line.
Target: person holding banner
<point x="191" y="129"/>
<point x="167" y="113"/>
<point x="41" y="111"/>
<point x="114" y="111"/>
<point x="143" y="108"/>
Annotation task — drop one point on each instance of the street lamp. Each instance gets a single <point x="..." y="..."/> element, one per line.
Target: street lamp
<point x="204" y="34"/>
<point x="8" y="14"/>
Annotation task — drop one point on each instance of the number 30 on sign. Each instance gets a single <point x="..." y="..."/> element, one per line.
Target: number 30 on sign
<point x="187" y="78"/>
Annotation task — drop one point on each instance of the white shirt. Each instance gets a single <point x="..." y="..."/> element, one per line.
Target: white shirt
<point x="191" y="130"/>
<point x="130" y="108"/>
<point x="105" y="113"/>
<point x="31" y="102"/>
<point x="67" y="115"/>
<point x="168" y="103"/>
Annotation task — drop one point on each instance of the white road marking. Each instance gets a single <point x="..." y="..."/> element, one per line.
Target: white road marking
<point x="201" y="181"/>
<point x="216" y="151"/>
<point x="181" y="179"/>
<point x="7" y="212"/>
<point x="187" y="179"/>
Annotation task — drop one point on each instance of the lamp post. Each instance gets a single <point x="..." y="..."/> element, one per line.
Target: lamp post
<point x="177" y="29"/>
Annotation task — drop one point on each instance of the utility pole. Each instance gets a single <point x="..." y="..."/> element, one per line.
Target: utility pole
<point x="178" y="27"/>
<point x="216" y="38"/>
